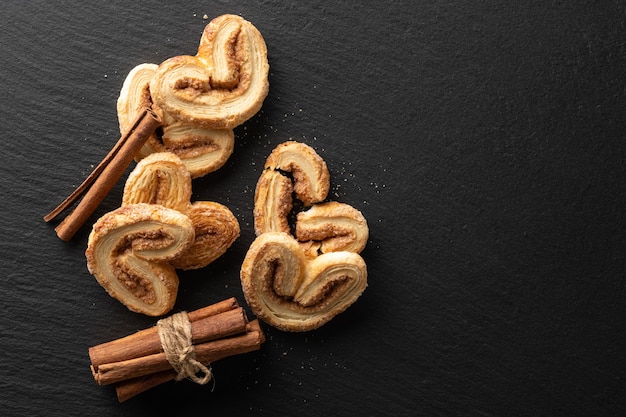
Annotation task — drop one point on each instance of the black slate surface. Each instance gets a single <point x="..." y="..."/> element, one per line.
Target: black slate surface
<point x="483" y="141"/>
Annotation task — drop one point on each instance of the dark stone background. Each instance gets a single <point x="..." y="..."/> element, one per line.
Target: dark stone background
<point x="483" y="141"/>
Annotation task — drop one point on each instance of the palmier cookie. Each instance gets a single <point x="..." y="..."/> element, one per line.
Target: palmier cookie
<point x="299" y="281"/>
<point x="220" y="87"/>
<point x="129" y="250"/>
<point x="201" y="149"/>
<point x="162" y="178"/>
<point x="292" y="293"/>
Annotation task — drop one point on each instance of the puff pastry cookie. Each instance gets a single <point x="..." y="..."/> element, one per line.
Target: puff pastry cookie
<point x="162" y="178"/>
<point x="201" y="98"/>
<point x="293" y="293"/>
<point x="202" y="150"/>
<point x="128" y="253"/>
<point x="134" y="251"/>
<point x="298" y="277"/>
<point x="220" y="87"/>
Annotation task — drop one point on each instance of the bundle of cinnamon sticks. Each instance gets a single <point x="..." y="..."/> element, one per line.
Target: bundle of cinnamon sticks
<point x="136" y="363"/>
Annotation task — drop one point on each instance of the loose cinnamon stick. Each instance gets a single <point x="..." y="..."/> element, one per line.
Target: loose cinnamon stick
<point x="82" y="188"/>
<point x="146" y="342"/>
<point x="205" y="353"/>
<point x="103" y="178"/>
<point x="154" y="360"/>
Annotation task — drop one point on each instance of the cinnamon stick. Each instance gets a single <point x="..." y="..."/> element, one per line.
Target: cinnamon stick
<point x="147" y="341"/>
<point x="82" y="188"/>
<point x="205" y="353"/>
<point x="222" y="348"/>
<point x="152" y="359"/>
<point x="103" y="178"/>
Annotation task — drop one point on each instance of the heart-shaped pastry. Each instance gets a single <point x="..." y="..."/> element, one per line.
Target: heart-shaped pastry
<point x="202" y="150"/>
<point x="293" y="293"/>
<point x="299" y="283"/>
<point x="129" y="250"/>
<point x="133" y="251"/>
<point x="162" y="178"/>
<point x="220" y="87"/>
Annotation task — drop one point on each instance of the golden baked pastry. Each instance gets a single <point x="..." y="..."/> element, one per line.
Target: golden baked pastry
<point x="220" y="87"/>
<point x="202" y="150"/>
<point x="300" y="281"/>
<point x="337" y="226"/>
<point x="293" y="293"/>
<point x="128" y="253"/>
<point x="310" y="173"/>
<point x="162" y="178"/>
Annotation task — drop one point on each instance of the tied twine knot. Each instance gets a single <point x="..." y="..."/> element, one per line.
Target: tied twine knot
<point x="175" y="335"/>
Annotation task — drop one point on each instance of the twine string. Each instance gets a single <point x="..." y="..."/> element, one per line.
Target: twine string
<point x="175" y="334"/>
